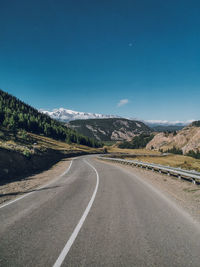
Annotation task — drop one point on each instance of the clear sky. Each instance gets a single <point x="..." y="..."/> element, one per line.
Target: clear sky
<point x="137" y="58"/>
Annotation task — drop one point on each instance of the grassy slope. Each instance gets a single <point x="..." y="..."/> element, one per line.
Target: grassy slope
<point x="16" y="115"/>
<point x="181" y="161"/>
<point x="115" y="149"/>
<point x="25" y="154"/>
<point x="32" y="143"/>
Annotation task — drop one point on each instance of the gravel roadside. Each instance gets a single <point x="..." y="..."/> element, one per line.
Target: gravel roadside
<point x="17" y="188"/>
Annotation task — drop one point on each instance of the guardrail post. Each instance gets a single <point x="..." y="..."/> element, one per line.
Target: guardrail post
<point x="193" y="181"/>
<point x="168" y="173"/>
<point x="179" y="177"/>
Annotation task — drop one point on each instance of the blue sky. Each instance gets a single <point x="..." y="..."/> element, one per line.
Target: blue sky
<point x="90" y="55"/>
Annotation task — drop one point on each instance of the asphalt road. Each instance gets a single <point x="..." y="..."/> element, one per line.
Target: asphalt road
<point x="97" y="215"/>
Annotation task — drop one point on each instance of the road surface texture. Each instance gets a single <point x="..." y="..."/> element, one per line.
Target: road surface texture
<point x="97" y="215"/>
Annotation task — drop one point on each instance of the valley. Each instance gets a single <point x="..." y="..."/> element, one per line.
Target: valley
<point x="50" y="168"/>
<point x="99" y="133"/>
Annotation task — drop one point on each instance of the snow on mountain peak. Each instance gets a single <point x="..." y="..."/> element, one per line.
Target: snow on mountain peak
<point x="67" y="115"/>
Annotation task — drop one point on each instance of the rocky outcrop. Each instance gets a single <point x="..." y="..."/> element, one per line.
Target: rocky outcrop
<point x="187" y="139"/>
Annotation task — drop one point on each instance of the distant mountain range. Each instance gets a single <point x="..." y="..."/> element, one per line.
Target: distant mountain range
<point x="67" y="115"/>
<point x="184" y="135"/>
<point x="167" y="126"/>
<point x="154" y="123"/>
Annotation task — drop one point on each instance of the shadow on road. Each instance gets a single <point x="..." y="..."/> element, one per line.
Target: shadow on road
<point x="28" y="191"/>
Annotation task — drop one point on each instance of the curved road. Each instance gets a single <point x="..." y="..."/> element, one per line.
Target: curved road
<point x="97" y="214"/>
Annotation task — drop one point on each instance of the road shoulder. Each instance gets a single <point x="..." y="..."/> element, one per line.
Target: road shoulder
<point x="15" y="189"/>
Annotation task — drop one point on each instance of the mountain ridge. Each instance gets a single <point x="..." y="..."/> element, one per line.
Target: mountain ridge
<point x="67" y="115"/>
<point x="112" y="129"/>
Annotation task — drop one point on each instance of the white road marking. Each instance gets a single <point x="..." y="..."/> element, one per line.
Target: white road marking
<point x="73" y="236"/>
<point x="41" y="187"/>
<point x="65" y="172"/>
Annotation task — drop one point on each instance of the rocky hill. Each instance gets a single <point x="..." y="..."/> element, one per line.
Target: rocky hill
<point x="187" y="139"/>
<point x="109" y="129"/>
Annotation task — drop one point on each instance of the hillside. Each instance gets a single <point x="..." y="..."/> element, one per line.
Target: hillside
<point x="23" y="154"/>
<point x="16" y="115"/>
<point x="139" y="141"/>
<point x="109" y="129"/>
<point x="187" y="139"/>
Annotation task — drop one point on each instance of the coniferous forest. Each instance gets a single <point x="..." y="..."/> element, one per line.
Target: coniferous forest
<point x="139" y="141"/>
<point x="16" y="115"/>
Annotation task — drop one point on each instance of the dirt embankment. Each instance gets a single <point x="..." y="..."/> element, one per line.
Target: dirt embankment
<point x="13" y="189"/>
<point x="16" y="166"/>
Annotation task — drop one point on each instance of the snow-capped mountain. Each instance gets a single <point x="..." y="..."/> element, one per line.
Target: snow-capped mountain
<point x="67" y="115"/>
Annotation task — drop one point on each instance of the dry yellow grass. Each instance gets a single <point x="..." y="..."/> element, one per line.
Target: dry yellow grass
<point x="58" y="145"/>
<point x="114" y="149"/>
<point x="172" y="160"/>
<point x="184" y="162"/>
<point x="41" y="143"/>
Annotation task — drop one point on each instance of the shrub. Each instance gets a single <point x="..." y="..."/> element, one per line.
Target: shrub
<point x="23" y="134"/>
<point x="27" y="154"/>
<point x="175" y="150"/>
<point x="105" y="150"/>
<point x="194" y="154"/>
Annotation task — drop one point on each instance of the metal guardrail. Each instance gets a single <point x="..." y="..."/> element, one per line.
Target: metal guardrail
<point x="194" y="177"/>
